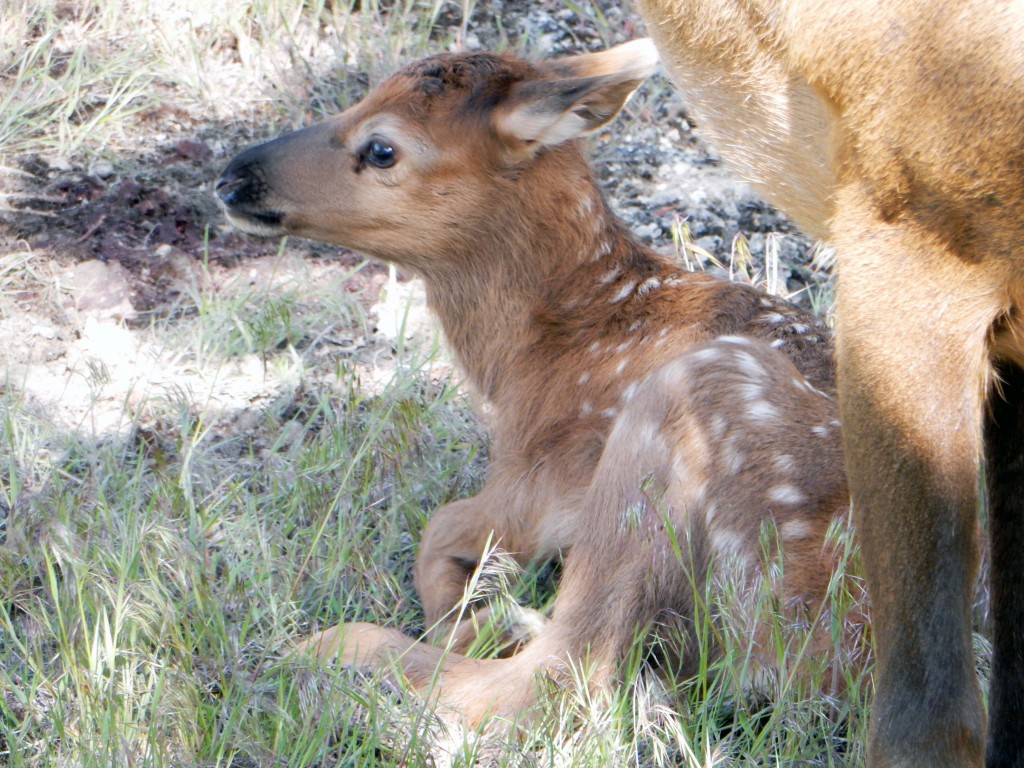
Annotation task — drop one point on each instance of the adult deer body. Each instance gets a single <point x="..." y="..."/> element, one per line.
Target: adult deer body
<point x="627" y="396"/>
<point x="896" y="130"/>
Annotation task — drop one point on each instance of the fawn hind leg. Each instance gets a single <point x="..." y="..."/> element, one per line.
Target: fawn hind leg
<point x="1004" y="445"/>
<point x="597" y="609"/>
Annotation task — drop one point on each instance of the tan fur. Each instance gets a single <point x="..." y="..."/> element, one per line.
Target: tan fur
<point x="896" y="129"/>
<point x="627" y="394"/>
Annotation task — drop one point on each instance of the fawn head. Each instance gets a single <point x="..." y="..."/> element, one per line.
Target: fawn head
<point x="439" y="158"/>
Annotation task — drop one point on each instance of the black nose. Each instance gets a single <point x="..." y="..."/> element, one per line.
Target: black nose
<point x="226" y="188"/>
<point x="235" y="186"/>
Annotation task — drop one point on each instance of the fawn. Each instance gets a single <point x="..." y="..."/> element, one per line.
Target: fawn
<point x="895" y="130"/>
<point x="634" y="403"/>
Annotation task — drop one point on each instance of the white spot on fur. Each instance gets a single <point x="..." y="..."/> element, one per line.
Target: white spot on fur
<point x="777" y="343"/>
<point x="648" y="433"/>
<point x="773" y="317"/>
<point x="820" y="431"/>
<point x="750" y="366"/>
<point x="762" y="410"/>
<point x="741" y="340"/>
<point x="799" y="328"/>
<point x="709" y="355"/>
<point x="595" y="347"/>
<point x="624" y="346"/>
<point x="663" y="333"/>
<point x="784" y="463"/>
<point x="584" y="378"/>
<point x="751" y="390"/>
<point x="630" y="392"/>
<point x="611" y="275"/>
<point x="726" y="543"/>
<point x="604" y="250"/>
<point x="586" y="409"/>
<point x="836" y="423"/>
<point x="648" y="285"/>
<point x="794" y="530"/>
<point x="733" y="458"/>
<point x="610" y="413"/>
<point x="624" y="291"/>
<point x="813" y="389"/>
<point x="786" y="494"/>
<point x="622" y="365"/>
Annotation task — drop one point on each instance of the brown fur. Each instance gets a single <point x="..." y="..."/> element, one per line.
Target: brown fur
<point x="896" y="130"/>
<point x="626" y="393"/>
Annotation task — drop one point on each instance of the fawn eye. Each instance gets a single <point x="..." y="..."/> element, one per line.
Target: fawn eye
<point x="379" y="154"/>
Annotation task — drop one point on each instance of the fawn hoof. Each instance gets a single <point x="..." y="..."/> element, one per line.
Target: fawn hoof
<point x="493" y="631"/>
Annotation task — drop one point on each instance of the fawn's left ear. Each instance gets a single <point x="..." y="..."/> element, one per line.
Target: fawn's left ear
<point x="574" y="96"/>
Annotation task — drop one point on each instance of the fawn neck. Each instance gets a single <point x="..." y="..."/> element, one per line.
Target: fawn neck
<point x="544" y="229"/>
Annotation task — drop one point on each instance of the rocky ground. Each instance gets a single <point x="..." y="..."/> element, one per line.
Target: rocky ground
<point x="99" y="252"/>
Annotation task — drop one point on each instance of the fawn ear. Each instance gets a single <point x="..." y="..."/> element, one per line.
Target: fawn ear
<point x="574" y="96"/>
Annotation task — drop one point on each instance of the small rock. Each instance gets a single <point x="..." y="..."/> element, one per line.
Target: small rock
<point x="100" y="289"/>
<point x="712" y="244"/>
<point x="102" y="169"/>
<point x="647" y="232"/>
<point x="664" y="197"/>
<point x="193" y="150"/>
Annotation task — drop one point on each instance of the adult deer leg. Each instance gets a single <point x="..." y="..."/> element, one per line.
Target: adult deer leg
<point x="1004" y="446"/>
<point x="912" y="365"/>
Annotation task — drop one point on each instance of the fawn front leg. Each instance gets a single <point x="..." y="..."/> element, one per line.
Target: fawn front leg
<point x="453" y="544"/>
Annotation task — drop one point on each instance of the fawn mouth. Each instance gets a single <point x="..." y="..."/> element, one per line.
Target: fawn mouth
<point x="264" y="223"/>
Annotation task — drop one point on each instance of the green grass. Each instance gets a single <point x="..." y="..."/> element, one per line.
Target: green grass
<point x="289" y="308"/>
<point x="151" y="585"/>
<point x="152" y="576"/>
